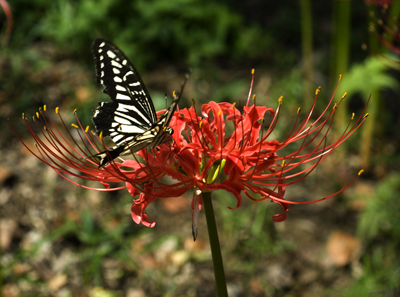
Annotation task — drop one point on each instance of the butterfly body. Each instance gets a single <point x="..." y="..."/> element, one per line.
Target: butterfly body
<point x="130" y="120"/>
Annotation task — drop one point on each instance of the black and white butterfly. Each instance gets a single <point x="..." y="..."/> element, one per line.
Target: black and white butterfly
<point x="130" y="120"/>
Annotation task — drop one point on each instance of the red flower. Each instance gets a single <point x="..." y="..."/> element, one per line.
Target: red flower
<point x="385" y="27"/>
<point x="378" y="2"/>
<point x="223" y="148"/>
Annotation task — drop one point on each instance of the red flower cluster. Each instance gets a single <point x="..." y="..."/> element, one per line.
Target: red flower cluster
<point x="378" y="2"/>
<point x="384" y="26"/>
<point x="220" y="148"/>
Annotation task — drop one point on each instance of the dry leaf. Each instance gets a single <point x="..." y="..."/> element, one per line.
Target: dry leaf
<point x="342" y="248"/>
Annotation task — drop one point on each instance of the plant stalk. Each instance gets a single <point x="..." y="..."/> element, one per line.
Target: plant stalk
<point x="215" y="247"/>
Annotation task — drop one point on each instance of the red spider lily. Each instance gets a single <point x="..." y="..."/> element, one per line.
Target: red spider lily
<point x="385" y="28"/>
<point x="378" y="2"/>
<point x="223" y="148"/>
<point x="10" y="22"/>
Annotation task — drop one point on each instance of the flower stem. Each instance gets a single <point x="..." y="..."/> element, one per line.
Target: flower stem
<point x="307" y="50"/>
<point x="215" y="247"/>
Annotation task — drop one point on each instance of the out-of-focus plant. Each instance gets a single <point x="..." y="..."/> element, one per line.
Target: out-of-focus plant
<point x="188" y="30"/>
<point x="371" y="74"/>
<point x="9" y="17"/>
<point x="340" y="51"/>
<point x="307" y="46"/>
<point x="90" y="240"/>
<point x="366" y="79"/>
<point x="380" y="220"/>
<point x="379" y="228"/>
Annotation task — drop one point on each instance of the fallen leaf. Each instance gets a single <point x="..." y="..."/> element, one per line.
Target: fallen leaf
<point x="5" y="173"/>
<point x="7" y="229"/>
<point x="57" y="281"/>
<point x="342" y="248"/>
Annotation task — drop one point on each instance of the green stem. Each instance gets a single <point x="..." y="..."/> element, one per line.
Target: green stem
<point x="306" y="41"/>
<point x="215" y="247"/>
<point x="341" y="53"/>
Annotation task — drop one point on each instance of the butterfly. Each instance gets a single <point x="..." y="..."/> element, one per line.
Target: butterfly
<point x="130" y="120"/>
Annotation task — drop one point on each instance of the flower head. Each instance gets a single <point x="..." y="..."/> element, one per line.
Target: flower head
<point x="384" y="26"/>
<point x="222" y="146"/>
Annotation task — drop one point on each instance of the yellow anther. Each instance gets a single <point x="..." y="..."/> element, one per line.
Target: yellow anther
<point x="340" y="76"/>
<point x="40" y="109"/>
<point x="101" y="135"/>
<point x="37" y="114"/>
<point x="74" y="111"/>
<point x="344" y="95"/>
<point x="334" y="106"/>
<point x="352" y="116"/>
<point x="311" y="126"/>
<point x="252" y="71"/>
<point x="283" y="163"/>
<point x="87" y="129"/>
<point x="367" y="114"/>
<point x="120" y="127"/>
<point x="45" y="127"/>
<point x="44" y="107"/>
<point x="298" y="110"/>
<point x="201" y="124"/>
<point x="319" y="88"/>
<point x="173" y="94"/>
<point x="57" y="110"/>
<point x="254" y="97"/>
<point x="36" y="144"/>
<point x="317" y="91"/>
<point x="75" y="126"/>
<point x="361" y="171"/>
<point x="23" y="116"/>
<point x="219" y="112"/>
<point x="234" y="104"/>
<point x="262" y="121"/>
<point x="33" y="118"/>
<point x="280" y="100"/>
<point x="165" y="128"/>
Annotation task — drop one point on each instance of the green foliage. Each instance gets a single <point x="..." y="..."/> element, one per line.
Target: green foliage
<point x="258" y="234"/>
<point x="365" y="77"/>
<point x="379" y="227"/>
<point x="185" y="30"/>
<point x="94" y="242"/>
<point x="381" y="217"/>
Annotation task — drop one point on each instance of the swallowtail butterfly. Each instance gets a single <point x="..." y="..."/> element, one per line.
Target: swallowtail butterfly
<point x="130" y="120"/>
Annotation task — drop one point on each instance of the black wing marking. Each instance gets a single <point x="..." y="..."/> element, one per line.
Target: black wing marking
<point x="130" y="119"/>
<point x="132" y="112"/>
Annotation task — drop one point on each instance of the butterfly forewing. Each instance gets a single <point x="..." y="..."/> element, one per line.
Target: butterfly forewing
<point x="132" y="111"/>
<point x="130" y="119"/>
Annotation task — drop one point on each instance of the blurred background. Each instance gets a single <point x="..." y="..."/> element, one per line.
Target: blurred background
<point x="61" y="240"/>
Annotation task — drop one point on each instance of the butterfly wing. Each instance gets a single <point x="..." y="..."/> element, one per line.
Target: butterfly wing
<point x="131" y="111"/>
<point x="130" y="119"/>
